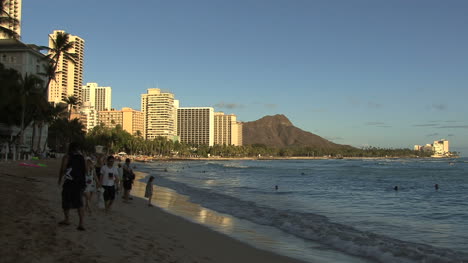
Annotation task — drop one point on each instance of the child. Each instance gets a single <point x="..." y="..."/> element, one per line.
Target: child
<point x="149" y="190"/>
<point x="91" y="182"/>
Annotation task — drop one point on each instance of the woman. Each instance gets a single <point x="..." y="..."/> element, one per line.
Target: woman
<point x="109" y="181"/>
<point x="91" y="182"/>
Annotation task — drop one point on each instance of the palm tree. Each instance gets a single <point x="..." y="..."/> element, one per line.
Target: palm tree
<point x="7" y="19"/>
<point x="9" y="96"/>
<point x="28" y="86"/>
<point x="65" y="131"/>
<point x="49" y="73"/>
<point x="38" y="110"/>
<point x="49" y="115"/>
<point x="72" y="102"/>
<point x="61" y="46"/>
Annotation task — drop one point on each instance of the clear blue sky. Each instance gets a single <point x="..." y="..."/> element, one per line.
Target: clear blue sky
<point x="359" y="72"/>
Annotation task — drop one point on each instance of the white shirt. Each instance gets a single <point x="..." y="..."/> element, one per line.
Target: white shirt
<point x="105" y="170"/>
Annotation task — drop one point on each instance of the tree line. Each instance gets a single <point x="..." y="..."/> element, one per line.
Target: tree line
<point x="115" y="140"/>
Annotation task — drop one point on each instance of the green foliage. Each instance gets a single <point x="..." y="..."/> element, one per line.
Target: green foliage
<point x="63" y="131"/>
<point x="22" y="99"/>
<point x="116" y="140"/>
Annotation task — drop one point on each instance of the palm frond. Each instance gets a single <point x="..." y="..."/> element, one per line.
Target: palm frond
<point x="6" y="18"/>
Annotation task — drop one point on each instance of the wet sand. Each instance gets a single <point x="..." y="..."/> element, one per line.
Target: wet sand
<point x="31" y="208"/>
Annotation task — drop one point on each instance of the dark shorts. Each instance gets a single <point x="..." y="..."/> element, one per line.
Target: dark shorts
<point x="109" y="192"/>
<point x="72" y="197"/>
<point x="127" y="185"/>
<point x="98" y="172"/>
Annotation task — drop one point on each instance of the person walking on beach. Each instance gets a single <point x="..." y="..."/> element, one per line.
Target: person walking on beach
<point x="92" y="183"/>
<point x="119" y="167"/>
<point x="149" y="190"/>
<point x="109" y="181"/>
<point x="128" y="177"/>
<point x="100" y="160"/>
<point x="72" y="171"/>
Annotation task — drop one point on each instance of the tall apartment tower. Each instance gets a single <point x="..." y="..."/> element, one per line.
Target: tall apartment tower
<point x="12" y="8"/>
<point x="69" y="76"/>
<point x="195" y="125"/>
<point x="160" y="114"/>
<point x="227" y="130"/>
<point x="99" y="97"/>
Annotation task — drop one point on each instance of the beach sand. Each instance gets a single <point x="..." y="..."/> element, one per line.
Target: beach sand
<point x="31" y="208"/>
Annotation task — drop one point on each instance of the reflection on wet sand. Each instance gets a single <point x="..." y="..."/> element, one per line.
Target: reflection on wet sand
<point x="179" y="204"/>
<point x="245" y="231"/>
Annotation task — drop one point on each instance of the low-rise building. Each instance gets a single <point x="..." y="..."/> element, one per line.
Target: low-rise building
<point x="88" y="116"/>
<point x="27" y="60"/>
<point x="131" y="120"/>
<point x="439" y="148"/>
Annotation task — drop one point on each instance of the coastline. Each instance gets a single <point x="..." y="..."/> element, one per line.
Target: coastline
<point x="150" y="159"/>
<point x="262" y="237"/>
<point x="130" y="233"/>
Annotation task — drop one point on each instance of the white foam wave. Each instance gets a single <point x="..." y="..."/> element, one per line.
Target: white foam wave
<point x="319" y="228"/>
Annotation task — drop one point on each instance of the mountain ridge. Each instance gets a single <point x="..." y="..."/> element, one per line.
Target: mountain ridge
<point x="278" y="131"/>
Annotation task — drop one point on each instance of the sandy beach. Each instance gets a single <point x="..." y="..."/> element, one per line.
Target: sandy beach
<point x="31" y="208"/>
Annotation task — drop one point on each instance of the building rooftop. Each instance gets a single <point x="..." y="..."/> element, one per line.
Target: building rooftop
<point x="16" y="45"/>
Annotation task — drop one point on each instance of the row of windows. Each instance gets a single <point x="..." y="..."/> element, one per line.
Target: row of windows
<point x="8" y="59"/>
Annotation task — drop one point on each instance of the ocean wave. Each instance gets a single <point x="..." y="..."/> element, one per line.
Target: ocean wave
<point x="236" y="165"/>
<point x="319" y="228"/>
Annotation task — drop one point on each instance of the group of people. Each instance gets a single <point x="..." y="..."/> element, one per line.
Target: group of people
<point x="83" y="176"/>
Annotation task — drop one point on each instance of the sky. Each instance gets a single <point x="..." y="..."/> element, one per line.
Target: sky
<point x="359" y="72"/>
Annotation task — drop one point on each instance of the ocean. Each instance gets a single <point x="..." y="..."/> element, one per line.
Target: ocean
<point x="333" y="210"/>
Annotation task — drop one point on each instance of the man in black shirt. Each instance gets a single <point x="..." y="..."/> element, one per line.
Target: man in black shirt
<point x="73" y="171"/>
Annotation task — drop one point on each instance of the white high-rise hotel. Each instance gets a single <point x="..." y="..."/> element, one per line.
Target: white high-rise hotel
<point x="193" y="125"/>
<point x="160" y="114"/>
<point x="69" y="76"/>
<point x="13" y="9"/>
<point x="98" y="97"/>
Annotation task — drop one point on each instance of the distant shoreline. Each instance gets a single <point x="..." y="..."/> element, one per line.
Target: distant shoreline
<point x="276" y="158"/>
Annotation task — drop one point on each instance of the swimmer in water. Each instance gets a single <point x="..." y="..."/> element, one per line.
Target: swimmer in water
<point x="436" y="186"/>
<point x="395" y="188"/>
<point x="276" y="187"/>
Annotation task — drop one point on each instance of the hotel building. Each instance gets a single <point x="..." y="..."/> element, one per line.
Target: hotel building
<point x="12" y="8"/>
<point x="195" y="125"/>
<point x="24" y="58"/>
<point x="131" y="120"/>
<point x="89" y="116"/>
<point x="99" y="97"/>
<point x="227" y="130"/>
<point x="160" y="114"/>
<point x="27" y="60"/>
<point x="439" y="148"/>
<point x="69" y="76"/>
